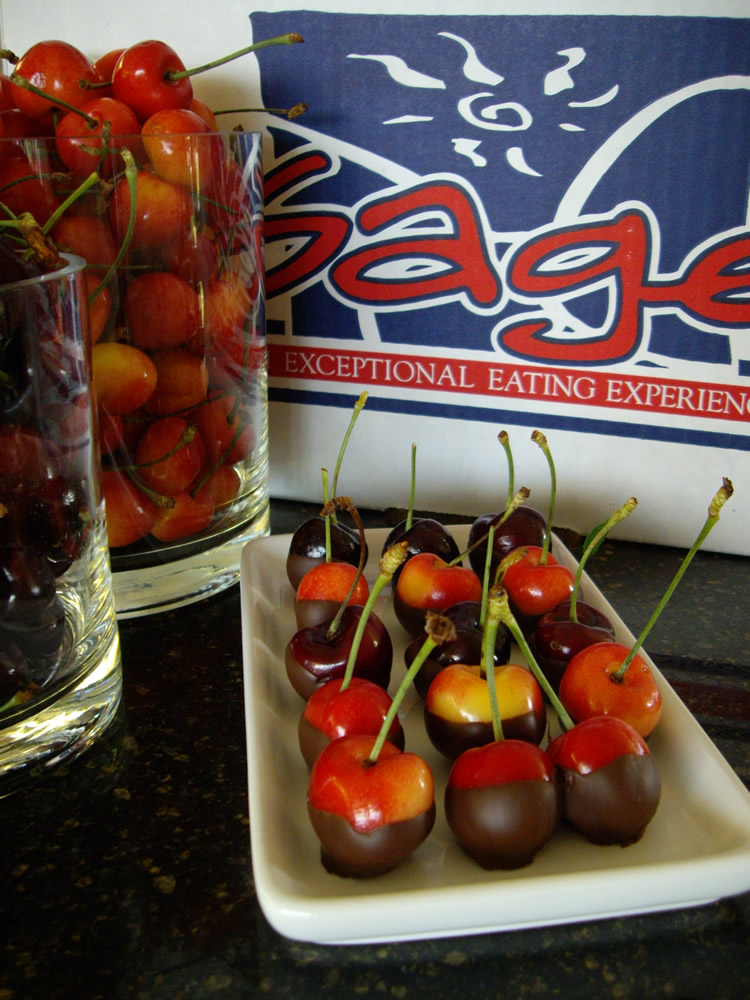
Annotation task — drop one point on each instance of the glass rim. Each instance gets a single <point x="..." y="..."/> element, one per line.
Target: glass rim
<point x="74" y="266"/>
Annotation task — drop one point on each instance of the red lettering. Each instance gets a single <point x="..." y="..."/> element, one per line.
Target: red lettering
<point x="462" y="264"/>
<point x="545" y="267"/>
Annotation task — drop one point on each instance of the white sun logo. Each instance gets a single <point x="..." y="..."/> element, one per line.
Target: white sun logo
<point x="482" y="109"/>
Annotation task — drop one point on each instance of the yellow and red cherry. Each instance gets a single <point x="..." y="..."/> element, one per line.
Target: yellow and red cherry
<point x="369" y="814"/>
<point x="501" y="799"/>
<point x="458" y="714"/>
<point x="358" y="709"/>
<point x="611" y="785"/>
<point x="182" y="149"/>
<point x="612" y="679"/>
<point x="594" y="683"/>
<point x="323" y="589"/>
<point x="327" y="587"/>
<point x="571" y="626"/>
<point x="535" y="583"/>
<point x="429" y="583"/>
<point x="143" y="79"/>
<point x="502" y="803"/>
<point x="370" y="804"/>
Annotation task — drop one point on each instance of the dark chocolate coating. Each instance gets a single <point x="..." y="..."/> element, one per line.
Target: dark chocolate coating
<point x="452" y="738"/>
<point x="615" y="803"/>
<point x="346" y="852"/>
<point x="312" y="740"/>
<point x="310" y="612"/>
<point x="503" y="826"/>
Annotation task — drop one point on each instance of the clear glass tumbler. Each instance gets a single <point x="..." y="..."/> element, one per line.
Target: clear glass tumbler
<point x="60" y="669"/>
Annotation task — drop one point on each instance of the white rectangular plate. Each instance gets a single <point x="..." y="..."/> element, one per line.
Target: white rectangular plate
<point x="695" y="850"/>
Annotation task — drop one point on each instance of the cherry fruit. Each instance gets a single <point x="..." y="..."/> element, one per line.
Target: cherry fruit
<point x="611" y="784"/>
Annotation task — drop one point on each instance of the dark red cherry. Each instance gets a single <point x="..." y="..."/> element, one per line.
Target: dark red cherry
<point x="556" y="639"/>
<point x="425" y="534"/>
<point x="525" y="526"/>
<point x="465" y="648"/>
<point x="308" y="547"/>
<point x="313" y="655"/>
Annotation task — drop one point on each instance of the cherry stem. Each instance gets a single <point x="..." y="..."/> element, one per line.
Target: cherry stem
<point x="327" y="517"/>
<point x="507" y="617"/>
<point x="288" y="39"/>
<point x="489" y="637"/>
<point x="191" y="429"/>
<point x="412" y="488"/>
<point x="439" y="630"/>
<point x="721" y="497"/>
<point x="358" y="407"/>
<point x="504" y="440"/>
<point x="21" y="81"/>
<point x="592" y="543"/>
<point x="82" y="188"/>
<point x="486" y="575"/>
<point x="538" y="438"/>
<point x="32" y="240"/>
<point x="294" y="112"/>
<point x="346" y="503"/>
<point x="389" y="563"/>
<point x="131" y="174"/>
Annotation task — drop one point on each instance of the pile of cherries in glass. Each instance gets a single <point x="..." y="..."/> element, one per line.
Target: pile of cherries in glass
<point x="370" y="801"/>
<point x="45" y="485"/>
<point x="135" y="178"/>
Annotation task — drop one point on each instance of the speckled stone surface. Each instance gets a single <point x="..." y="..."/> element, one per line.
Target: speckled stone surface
<point x="128" y="874"/>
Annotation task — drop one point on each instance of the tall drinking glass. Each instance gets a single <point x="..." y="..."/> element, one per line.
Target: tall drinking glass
<point x="60" y="669"/>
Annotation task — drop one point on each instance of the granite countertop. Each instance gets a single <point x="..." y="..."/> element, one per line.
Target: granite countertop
<point x="127" y="873"/>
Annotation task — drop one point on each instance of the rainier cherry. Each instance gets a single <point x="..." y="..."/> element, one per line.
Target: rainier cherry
<point x="502" y="800"/>
<point x="611" y="679"/>
<point x="370" y="804"/>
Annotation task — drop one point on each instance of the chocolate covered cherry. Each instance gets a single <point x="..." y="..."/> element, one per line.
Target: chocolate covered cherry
<point x="502" y="803"/>
<point x="610" y="782"/>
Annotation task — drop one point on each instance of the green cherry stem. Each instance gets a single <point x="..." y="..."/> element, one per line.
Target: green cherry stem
<point x="724" y="493"/>
<point x="594" y="539"/>
<point x="538" y="438"/>
<point x="486" y="575"/>
<point x="504" y="440"/>
<point x="82" y="188"/>
<point x="389" y="563"/>
<point x="412" y="487"/>
<point x="358" y="407"/>
<point x="294" y="112"/>
<point x="507" y="617"/>
<point x="327" y="517"/>
<point x="289" y="39"/>
<point x="439" y="630"/>
<point x="131" y="174"/>
<point x="489" y="636"/>
<point x="346" y="503"/>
